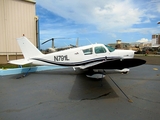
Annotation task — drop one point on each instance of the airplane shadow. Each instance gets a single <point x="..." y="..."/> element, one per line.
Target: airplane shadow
<point x="64" y="71"/>
<point x="24" y="72"/>
<point x="90" y="89"/>
<point x="83" y="88"/>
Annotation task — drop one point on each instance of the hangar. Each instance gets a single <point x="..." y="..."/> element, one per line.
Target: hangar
<point x="17" y="18"/>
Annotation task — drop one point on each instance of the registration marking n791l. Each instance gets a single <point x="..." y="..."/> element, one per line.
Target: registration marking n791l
<point x="61" y="58"/>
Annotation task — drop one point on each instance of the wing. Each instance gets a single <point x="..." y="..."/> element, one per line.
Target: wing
<point x="119" y="64"/>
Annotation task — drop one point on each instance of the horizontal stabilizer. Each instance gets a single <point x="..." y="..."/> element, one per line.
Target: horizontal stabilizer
<point x="20" y="62"/>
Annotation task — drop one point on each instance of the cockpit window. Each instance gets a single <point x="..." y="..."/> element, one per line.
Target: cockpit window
<point x="88" y="51"/>
<point x="100" y="49"/>
<point x="110" y="48"/>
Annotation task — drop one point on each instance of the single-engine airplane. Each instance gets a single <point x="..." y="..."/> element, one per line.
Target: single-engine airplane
<point x="91" y="57"/>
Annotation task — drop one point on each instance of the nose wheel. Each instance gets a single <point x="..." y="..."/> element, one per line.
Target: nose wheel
<point x="124" y="71"/>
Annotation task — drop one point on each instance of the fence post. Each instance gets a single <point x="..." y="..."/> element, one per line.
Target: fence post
<point x="16" y="55"/>
<point x="7" y="56"/>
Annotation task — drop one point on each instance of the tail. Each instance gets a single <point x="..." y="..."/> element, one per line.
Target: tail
<point x="27" y="48"/>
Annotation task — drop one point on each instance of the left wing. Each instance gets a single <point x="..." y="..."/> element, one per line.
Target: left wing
<point x="119" y="64"/>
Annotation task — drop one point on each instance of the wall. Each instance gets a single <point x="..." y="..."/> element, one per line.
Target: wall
<point x="17" y="17"/>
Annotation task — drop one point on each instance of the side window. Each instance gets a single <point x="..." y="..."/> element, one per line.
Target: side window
<point x="87" y="51"/>
<point x="100" y="49"/>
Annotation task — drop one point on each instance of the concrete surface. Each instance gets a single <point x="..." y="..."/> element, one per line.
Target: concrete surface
<point x="67" y="95"/>
<point x="150" y="59"/>
<point x="27" y="70"/>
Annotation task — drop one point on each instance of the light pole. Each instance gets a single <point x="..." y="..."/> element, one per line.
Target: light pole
<point x="158" y="41"/>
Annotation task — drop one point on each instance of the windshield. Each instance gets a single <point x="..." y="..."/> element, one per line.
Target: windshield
<point x="110" y="48"/>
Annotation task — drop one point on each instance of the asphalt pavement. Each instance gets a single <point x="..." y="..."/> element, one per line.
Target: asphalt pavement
<point x="68" y="95"/>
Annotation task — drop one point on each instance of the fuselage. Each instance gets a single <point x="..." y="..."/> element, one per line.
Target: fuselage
<point x="86" y="53"/>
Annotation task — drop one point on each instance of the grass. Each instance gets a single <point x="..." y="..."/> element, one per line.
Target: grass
<point x="6" y="66"/>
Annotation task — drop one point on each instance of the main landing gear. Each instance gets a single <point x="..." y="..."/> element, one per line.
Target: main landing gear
<point x="96" y="74"/>
<point x="99" y="74"/>
<point x="25" y="73"/>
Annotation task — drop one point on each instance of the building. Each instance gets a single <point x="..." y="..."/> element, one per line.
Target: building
<point x="120" y="45"/>
<point x="155" y="39"/>
<point x="17" y="18"/>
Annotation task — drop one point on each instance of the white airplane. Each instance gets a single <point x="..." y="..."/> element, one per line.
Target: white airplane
<point x="94" y="58"/>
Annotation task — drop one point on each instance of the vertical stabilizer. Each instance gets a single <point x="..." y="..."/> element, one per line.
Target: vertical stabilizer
<point x="27" y="48"/>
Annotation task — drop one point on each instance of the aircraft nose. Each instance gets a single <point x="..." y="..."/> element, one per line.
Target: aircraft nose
<point x="124" y="53"/>
<point x="131" y="53"/>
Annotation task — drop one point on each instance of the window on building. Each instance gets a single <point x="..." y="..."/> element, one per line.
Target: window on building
<point x="88" y="51"/>
<point x="100" y="49"/>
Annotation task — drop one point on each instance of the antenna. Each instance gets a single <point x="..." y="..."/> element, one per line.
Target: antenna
<point x="89" y="41"/>
<point x="77" y="42"/>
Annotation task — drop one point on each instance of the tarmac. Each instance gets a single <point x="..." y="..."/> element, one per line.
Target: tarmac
<point x="64" y="94"/>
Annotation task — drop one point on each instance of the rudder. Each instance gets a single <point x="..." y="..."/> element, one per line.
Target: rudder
<point x="27" y="48"/>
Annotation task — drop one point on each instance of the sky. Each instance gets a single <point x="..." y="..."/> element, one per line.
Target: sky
<point x="97" y="21"/>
